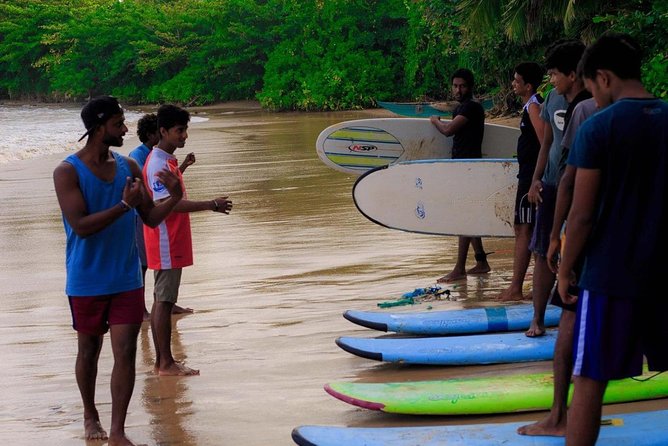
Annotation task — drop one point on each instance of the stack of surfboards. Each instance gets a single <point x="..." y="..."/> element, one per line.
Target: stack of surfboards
<point x="408" y="161"/>
<point x="497" y="341"/>
<point x="461" y="337"/>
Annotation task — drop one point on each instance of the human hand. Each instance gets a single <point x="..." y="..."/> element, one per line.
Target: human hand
<point x="132" y="192"/>
<point x="171" y="182"/>
<point x="189" y="160"/>
<point x="553" y="255"/>
<point x="565" y="282"/>
<point x="434" y="119"/>
<point x="534" y="192"/>
<point x="222" y="205"/>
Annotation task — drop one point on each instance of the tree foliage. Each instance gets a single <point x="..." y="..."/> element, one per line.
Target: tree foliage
<point x="298" y="54"/>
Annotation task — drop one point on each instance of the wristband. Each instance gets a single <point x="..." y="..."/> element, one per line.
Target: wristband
<point x="215" y="204"/>
<point x="124" y="205"/>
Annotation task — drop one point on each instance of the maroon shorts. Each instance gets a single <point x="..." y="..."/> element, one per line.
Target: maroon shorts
<point x="93" y="315"/>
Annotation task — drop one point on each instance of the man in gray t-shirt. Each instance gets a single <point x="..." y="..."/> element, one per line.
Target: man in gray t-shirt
<point x="554" y="112"/>
<point x="561" y="62"/>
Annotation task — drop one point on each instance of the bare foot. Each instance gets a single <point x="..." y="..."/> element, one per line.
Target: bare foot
<point x="93" y="429"/>
<point x="481" y="268"/>
<point x="452" y="277"/>
<point x="180" y="310"/>
<point x="509" y="295"/>
<point x="535" y="330"/>
<point x="547" y="426"/>
<point x="121" y="440"/>
<point x="177" y="369"/>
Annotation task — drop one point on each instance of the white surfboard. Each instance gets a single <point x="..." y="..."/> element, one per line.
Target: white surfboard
<point x="356" y="146"/>
<point x="443" y="197"/>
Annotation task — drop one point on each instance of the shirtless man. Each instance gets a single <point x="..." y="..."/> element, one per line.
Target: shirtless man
<point x="96" y="189"/>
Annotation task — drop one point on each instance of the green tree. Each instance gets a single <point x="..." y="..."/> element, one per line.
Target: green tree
<point x="334" y="55"/>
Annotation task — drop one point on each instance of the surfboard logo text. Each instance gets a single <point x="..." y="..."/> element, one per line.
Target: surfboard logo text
<point x="362" y="148"/>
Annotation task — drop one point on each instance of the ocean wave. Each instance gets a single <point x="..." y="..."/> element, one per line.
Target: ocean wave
<point x="31" y="131"/>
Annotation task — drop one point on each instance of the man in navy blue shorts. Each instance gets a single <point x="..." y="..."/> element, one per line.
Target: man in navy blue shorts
<point x="617" y="222"/>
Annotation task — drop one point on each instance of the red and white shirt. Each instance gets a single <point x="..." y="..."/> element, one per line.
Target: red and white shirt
<point x="169" y="245"/>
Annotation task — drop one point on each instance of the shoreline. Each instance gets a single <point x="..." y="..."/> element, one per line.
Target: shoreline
<point x="240" y="105"/>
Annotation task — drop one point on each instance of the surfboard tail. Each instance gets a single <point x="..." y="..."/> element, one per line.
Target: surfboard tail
<point x="365" y="323"/>
<point x="354" y="401"/>
<point x="299" y="439"/>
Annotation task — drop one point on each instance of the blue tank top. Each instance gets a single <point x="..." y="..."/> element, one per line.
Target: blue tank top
<point x="106" y="262"/>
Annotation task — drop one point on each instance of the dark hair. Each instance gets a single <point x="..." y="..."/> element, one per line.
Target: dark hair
<point x="564" y="55"/>
<point x="171" y="115"/>
<point x="146" y="125"/>
<point x="98" y="111"/>
<point x="531" y="72"/>
<point x="464" y="73"/>
<point x="616" y="52"/>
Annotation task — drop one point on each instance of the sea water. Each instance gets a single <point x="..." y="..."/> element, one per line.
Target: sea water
<point x="30" y="131"/>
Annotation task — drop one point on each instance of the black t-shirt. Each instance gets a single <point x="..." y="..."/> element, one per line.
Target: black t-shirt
<point x="467" y="142"/>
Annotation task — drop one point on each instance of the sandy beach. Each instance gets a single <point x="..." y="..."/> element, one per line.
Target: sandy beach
<point x="269" y="285"/>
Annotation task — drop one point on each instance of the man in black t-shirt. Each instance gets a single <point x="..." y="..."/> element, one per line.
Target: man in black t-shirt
<point x="467" y="128"/>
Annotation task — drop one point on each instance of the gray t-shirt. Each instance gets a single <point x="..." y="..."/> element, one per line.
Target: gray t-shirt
<point x="581" y="112"/>
<point x="554" y="112"/>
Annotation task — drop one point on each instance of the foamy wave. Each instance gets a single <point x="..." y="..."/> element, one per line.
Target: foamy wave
<point x="31" y="131"/>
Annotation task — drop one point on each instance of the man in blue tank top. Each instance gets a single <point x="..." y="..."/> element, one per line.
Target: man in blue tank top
<point x="96" y="189"/>
<point x="618" y="221"/>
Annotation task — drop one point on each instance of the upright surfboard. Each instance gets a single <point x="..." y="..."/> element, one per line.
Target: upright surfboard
<point x="483" y="395"/>
<point x="426" y="109"/>
<point x="454" y="322"/>
<point x="356" y="146"/>
<point x="442" y="197"/>
<point x="637" y="429"/>
<point x="414" y="109"/>
<point x="454" y="350"/>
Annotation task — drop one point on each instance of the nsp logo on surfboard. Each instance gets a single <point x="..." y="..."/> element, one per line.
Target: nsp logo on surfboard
<point x="362" y="148"/>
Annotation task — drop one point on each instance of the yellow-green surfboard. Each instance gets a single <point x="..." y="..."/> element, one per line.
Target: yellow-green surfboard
<point x="485" y="395"/>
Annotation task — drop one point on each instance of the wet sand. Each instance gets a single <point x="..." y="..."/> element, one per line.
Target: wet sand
<point x="268" y="287"/>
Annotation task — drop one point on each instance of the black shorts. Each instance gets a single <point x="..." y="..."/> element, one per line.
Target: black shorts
<point x="525" y="212"/>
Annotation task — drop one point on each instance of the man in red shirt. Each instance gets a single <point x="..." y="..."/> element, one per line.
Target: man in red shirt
<point x="169" y="245"/>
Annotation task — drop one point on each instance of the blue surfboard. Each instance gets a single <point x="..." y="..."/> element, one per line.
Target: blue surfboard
<point x="637" y="429"/>
<point x="454" y="350"/>
<point x="454" y="322"/>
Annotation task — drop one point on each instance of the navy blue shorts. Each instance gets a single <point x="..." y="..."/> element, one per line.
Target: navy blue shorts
<point x="613" y="334"/>
<point x="540" y="240"/>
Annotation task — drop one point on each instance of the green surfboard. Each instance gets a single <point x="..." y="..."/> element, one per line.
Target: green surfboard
<point x="498" y="394"/>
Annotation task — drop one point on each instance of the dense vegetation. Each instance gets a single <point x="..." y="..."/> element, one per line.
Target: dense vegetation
<point x="297" y="54"/>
